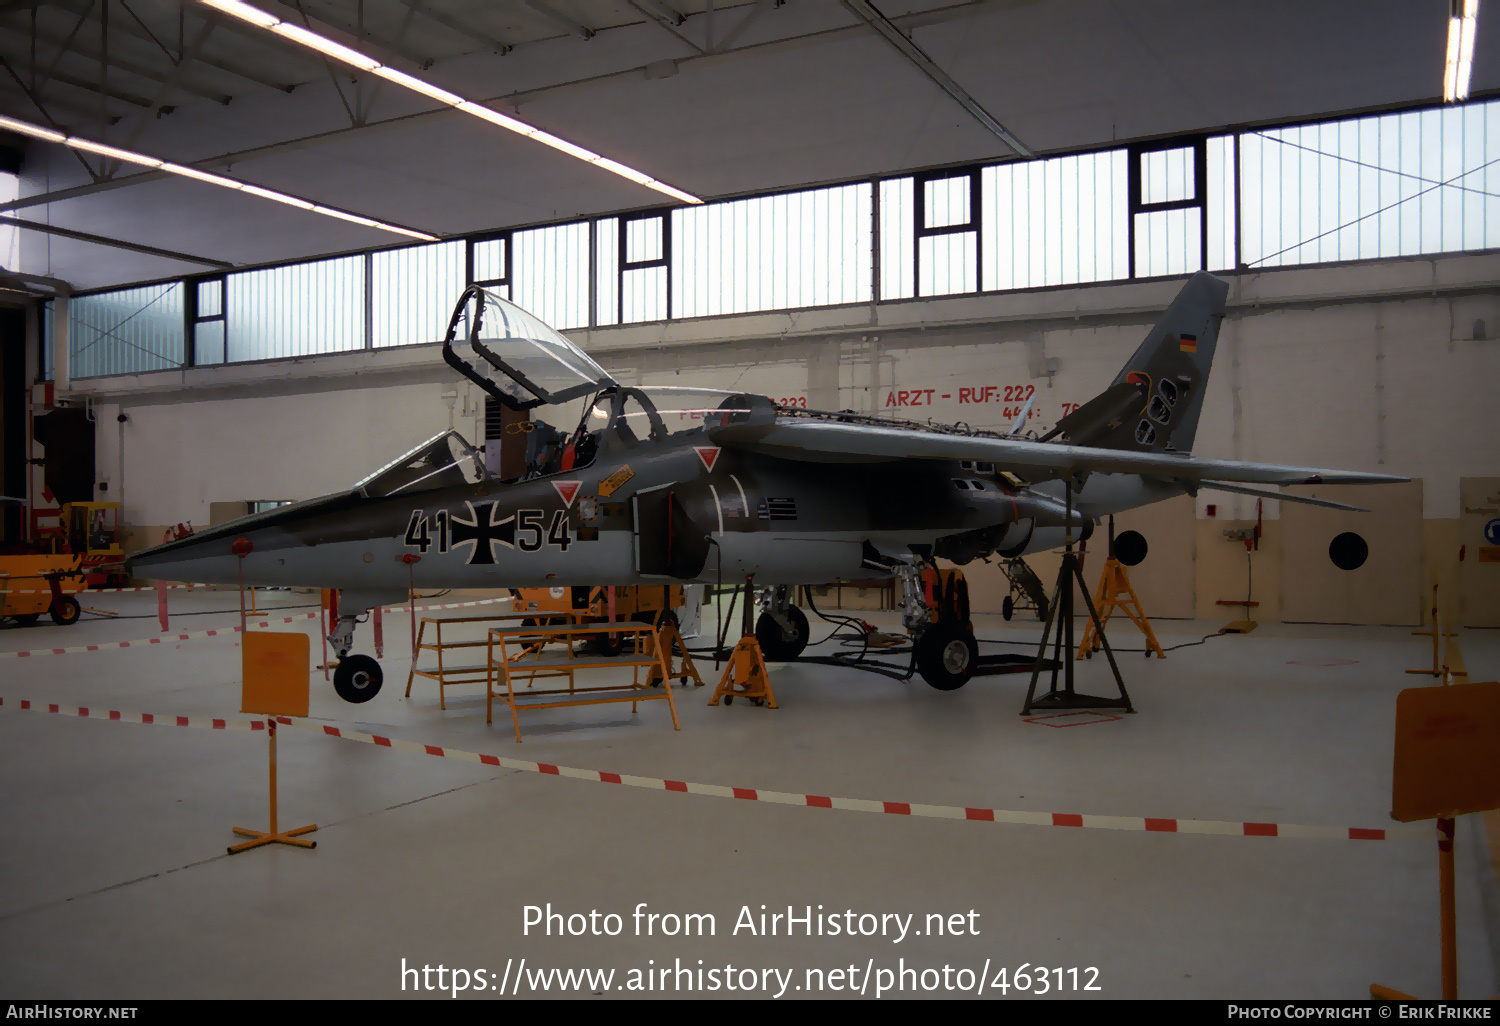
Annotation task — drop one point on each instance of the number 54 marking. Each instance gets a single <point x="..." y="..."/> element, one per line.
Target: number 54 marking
<point x="530" y="521"/>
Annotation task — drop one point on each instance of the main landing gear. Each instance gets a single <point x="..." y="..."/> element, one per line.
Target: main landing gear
<point x="935" y="609"/>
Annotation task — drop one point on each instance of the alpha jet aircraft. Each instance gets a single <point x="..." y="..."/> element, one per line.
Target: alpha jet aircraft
<point x="677" y="485"/>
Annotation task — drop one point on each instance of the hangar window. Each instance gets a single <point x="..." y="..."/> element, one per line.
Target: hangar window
<point x="411" y="292"/>
<point x="947" y="233"/>
<point x="897" y="263"/>
<point x="1425" y="181"/>
<point x="1398" y="184"/>
<point x="549" y="274"/>
<point x="645" y="253"/>
<point x="489" y="263"/>
<point x="295" y="310"/>
<point x="206" y="314"/>
<point x="10" y="235"/>
<point x="1057" y="221"/>
<point x="784" y="251"/>
<point x="126" y="331"/>
<point x="1168" y="208"/>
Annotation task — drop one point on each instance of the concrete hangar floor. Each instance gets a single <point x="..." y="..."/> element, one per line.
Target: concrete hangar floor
<point x="114" y="882"/>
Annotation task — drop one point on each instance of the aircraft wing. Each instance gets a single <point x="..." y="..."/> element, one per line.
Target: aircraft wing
<point x="827" y="441"/>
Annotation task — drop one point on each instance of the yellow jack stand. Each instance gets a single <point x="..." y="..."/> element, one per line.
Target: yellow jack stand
<point x="1115" y="592"/>
<point x="1437" y="634"/>
<point x="273" y="835"/>
<point x="745" y="676"/>
<point x="666" y="635"/>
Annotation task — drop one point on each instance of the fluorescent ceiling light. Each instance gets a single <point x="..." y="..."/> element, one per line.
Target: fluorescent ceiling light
<point x="111" y="151"/>
<point x="244" y="11"/>
<point x="1460" y="55"/>
<point x="337" y="51"/>
<point x="77" y="143"/>
<point x="416" y="85"/>
<point x="202" y="176"/>
<point x="354" y="58"/>
<point x="495" y="117"/>
<point x="27" y="128"/>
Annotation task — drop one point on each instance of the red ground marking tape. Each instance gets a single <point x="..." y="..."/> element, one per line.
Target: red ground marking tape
<point x="1086" y="821"/>
<point x="1097" y="718"/>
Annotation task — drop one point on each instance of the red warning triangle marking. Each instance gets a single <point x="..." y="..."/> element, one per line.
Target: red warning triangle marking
<point x="708" y="454"/>
<point x="568" y="490"/>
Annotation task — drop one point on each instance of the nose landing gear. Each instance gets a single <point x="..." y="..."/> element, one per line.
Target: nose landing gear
<point x="782" y="629"/>
<point x="356" y="678"/>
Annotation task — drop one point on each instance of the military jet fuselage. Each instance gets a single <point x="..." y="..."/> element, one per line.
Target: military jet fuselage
<point x="663" y="485"/>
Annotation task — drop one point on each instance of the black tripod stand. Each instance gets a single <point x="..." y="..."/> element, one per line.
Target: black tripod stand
<point x="1064" y="651"/>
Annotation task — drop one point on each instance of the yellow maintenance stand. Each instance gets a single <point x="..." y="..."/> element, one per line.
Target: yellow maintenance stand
<point x="1115" y="592"/>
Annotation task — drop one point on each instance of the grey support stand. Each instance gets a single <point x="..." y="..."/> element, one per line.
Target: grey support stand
<point x="1064" y="650"/>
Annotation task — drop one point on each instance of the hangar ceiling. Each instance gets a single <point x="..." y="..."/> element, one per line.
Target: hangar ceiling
<point x="718" y="99"/>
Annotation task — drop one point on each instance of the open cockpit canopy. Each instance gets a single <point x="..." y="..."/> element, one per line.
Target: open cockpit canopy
<point x="437" y="463"/>
<point x="520" y="360"/>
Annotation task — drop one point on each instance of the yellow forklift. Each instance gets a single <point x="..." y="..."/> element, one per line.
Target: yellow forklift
<point x="31" y="585"/>
<point x="91" y="531"/>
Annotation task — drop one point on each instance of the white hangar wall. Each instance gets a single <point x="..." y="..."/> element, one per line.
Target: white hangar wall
<point x="1372" y="366"/>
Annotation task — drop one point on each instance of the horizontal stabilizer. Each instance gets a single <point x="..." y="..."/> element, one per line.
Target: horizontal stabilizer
<point x="1282" y="496"/>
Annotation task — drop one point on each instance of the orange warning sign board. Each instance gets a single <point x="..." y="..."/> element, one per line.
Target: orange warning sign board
<point x="1446" y="740"/>
<point x="275" y="673"/>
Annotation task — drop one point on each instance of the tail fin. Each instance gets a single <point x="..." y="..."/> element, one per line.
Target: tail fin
<point x="1154" y="402"/>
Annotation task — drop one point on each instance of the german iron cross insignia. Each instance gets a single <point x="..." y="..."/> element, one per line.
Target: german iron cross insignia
<point x="485" y="531"/>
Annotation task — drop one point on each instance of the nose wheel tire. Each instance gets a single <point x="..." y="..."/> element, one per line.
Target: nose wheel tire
<point x="357" y="678"/>
<point x="774" y="644"/>
<point x="946" y="657"/>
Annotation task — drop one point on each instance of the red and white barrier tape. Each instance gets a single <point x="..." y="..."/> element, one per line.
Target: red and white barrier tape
<point x="208" y="634"/>
<point x="100" y="591"/>
<point x="86" y="713"/>
<point x="1404" y="832"/>
<point x="451" y="605"/>
<point x="153" y="641"/>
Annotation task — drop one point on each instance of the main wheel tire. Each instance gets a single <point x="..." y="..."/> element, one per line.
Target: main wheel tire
<point x="1007" y="608"/>
<point x="946" y="656"/>
<point x="65" y="611"/>
<point x="357" y="678"/>
<point x="774" y="644"/>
